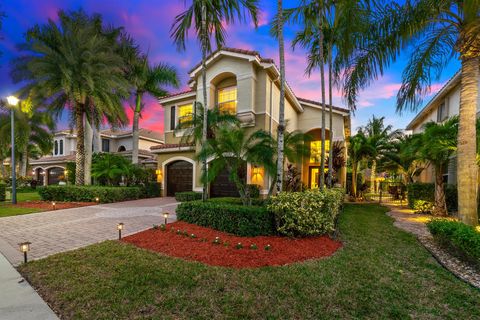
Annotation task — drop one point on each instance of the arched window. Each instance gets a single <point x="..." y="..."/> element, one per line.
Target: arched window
<point x="56" y="148"/>
<point x="122" y="149"/>
<point x="61" y="147"/>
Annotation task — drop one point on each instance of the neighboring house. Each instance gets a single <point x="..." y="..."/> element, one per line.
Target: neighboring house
<point x="445" y="104"/>
<point x="243" y="83"/>
<point x="51" y="169"/>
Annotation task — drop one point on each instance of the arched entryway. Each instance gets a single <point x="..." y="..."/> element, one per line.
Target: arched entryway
<point x="179" y="177"/>
<point x="39" y="175"/>
<point x="222" y="186"/>
<point x="122" y="149"/>
<point x="55" y="175"/>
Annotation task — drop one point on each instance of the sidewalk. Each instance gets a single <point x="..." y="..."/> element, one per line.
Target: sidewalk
<point x="18" y="300"/>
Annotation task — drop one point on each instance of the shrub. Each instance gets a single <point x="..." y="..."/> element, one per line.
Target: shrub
<point x="188" y="196"/>
<point x="228" y="217"/>
<point x="461" y="239"/>
<point x="71" y="169"/>
<point x="3" y="189"/>
<point x="231" y="200"/>
<point x="253" y="190"/>
<point x="312" y="212"/>
<point x="422" y="206"/>
<point x="89" y="193"/>
<point x="426" y="193"/>
<point x="152" y="189"/>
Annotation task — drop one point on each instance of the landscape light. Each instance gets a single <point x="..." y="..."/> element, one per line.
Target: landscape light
<point x="97" y="199"/>
<point x="24" y="247"/>
<point x="54" y="205"/>
<point x="165" y="215"/>
<point x="120" y="228"/>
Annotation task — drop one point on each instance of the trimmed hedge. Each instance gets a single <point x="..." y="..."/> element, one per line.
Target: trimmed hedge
<point x="419" y="193"/>
<point x="461" y="239"/>
<point x="308" y="213"/>
<point x="3" y="191"/>
<point x="152" y="189"/>
<point x="231" y="200"/>
<point x="89" y="193"/>
<point x="247" y="221"/>
<point x="188" y="196"/>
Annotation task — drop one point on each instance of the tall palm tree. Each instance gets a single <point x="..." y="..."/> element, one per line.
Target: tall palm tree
<point x="380" y="138"/>
<point x="145" y="79"/>
<point x="403" y="158"/>
<point x="438" y="31"/>
<point x="75" y="66"/>
<point x="281" y="115"/>
<point x="209" y="18"/>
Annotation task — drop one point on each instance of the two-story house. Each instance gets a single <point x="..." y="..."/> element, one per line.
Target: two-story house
<point x="445" y="104"/>
<point x="245" y="84"/>
<point x="51" y="169"/>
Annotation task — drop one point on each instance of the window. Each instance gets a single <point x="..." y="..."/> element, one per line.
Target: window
<point x="316" y="150"/>
<point x="105" y="145"/>
<point x="56" y="148"/>
<point x="185" y="113"/>
<point x="442" y="112"/>
<point x="227" y="100"/>
<point x="61" y="147"/>
<point x="172" y="118"/>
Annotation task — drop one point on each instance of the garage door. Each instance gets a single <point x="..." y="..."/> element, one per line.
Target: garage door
<point x="223" y="187"/>
<point x="179" y="177"/>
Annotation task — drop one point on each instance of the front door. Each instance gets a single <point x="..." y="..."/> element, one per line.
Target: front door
<point x="314" y="177"/>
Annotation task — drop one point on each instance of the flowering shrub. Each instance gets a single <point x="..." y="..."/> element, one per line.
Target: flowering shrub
<point x="422" y="206"/>
<point x="308" y="213"/>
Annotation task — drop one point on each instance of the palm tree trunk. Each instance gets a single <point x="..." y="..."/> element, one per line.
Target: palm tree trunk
<point x="330" y="93"/>
<point x="135" y="129"/>
<point x="3" y="171"/>
<point x="354" y="179"/>
<point x="440" y="204"/>
<point x="88" y="152"/>
<point x="466" y="150"/>
<point x="281" y="121"/>
<point x="373" y="175"/>
<point x="23" y="168"/>
<point x="322" y="80"/>
<point x="97" y="140"/>
<point x="80" y="154"/>
<point x="205" y="103"/>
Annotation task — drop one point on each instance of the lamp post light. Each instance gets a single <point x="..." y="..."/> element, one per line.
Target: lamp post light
<point x="120" y="228"/>
<point x="25" y="247"/>
<point x="13" y="101"/>
<point x="165" y="215"/>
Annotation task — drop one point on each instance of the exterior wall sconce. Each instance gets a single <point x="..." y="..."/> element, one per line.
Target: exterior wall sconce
<point x="158" y="172"/>
<point x="25" y="247"/>
<point x="120" y="228"/>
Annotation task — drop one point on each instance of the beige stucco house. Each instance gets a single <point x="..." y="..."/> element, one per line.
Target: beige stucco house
<point x="50" y="169"/>
<point x="445" y="104"/>
<point x="243" y="83"/>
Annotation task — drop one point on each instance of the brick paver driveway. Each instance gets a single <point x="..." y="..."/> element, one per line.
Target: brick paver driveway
<point x="62" y="230"/>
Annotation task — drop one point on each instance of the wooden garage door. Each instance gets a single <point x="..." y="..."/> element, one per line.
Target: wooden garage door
<point x="223" y="187"/>
<point x="179" y="177"/>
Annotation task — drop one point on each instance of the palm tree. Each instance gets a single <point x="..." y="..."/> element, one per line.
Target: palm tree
<point x="209" y="18"/>
<point x="232" y="148"/>
<point x="403" y="158"/>
<point x="438" y="32"/>
<point x="358" y="150"/>
<point x="380" y="138"/>
<point x="75" y="65"/>
<point x="281" y="116"/>
<point x="436" y="145"/>
<point x="145" y="79"/>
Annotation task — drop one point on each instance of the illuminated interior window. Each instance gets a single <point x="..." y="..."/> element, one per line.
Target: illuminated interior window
<point x="185" y="113"/>
<point x="316" y="150"/>
<point x="227" y="100"/>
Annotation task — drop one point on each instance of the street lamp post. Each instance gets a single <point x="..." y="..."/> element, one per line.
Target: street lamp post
<point x="13" y="101"/>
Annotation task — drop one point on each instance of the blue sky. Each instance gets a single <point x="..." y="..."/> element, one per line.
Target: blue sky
<point x="149" y="21"/>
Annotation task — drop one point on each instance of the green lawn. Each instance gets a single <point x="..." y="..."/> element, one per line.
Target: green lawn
<point x="381" y="273"/>
<point x="7" y="210"/>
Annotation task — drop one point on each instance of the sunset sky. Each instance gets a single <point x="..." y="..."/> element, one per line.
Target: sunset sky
<point x="149" y="21"/>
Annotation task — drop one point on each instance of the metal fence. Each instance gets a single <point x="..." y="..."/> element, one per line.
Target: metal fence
<point x="389" y="193"/>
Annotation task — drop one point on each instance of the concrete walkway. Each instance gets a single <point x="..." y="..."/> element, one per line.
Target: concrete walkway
<point x="18" y="300"/>
<point x="63" y="230"/>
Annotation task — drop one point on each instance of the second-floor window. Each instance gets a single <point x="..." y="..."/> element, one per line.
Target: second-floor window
<point x="316" y="150"/>
<point x="56" y="148"/>
<point x="105" y="145"/>
<point x="227" y="99"/>
<point x="61" y="147"/>
<point x="185" y="113"/>
<point x="442" y="112"/>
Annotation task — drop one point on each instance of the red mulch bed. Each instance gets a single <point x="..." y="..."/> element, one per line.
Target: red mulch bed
<point x="47" y="205"/>
<point x="283" y="250"/>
